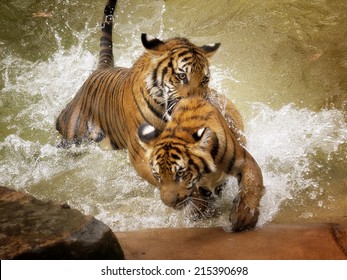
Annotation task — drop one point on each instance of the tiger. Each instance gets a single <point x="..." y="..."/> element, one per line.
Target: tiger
<point x="114" y="101"/>
<point x="198" y="146"/>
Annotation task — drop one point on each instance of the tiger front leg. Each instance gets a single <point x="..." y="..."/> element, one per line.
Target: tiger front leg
<point x="244" y="213"/>
<point x="245" y="208"/>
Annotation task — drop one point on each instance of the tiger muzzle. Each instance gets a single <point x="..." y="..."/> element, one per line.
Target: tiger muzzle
<point x="173" y="200"/>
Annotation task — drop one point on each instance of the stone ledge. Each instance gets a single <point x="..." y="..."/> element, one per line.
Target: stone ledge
<point x="272" y="242"/>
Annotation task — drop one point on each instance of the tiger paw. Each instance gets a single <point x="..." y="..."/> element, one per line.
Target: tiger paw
<point x="242" y="215"/>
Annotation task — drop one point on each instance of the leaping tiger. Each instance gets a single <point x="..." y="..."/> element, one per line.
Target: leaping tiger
<point x="197" y="146"/>
<point x="114" y="101"/>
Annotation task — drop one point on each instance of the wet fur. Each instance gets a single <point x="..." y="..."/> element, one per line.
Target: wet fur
<point x="197" y="147"/>
<point x="114" y="101"/>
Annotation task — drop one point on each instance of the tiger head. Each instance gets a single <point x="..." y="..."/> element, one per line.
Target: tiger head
<point x="176" y="68"/>
<point x="184" y="169"/>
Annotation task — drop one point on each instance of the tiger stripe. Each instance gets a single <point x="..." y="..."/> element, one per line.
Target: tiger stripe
<point x="106" y="52"/>
<point x="113" y="102"/>
<point x="199" y="143"/>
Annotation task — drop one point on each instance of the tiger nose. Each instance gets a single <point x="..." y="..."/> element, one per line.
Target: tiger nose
<point x="169" y="199"/>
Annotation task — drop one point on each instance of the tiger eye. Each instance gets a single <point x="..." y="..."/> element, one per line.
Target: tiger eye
<point x="182" y="76"/>
<point x="180" y="173"/>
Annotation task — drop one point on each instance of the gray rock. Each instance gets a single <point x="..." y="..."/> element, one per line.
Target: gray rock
<point x="32" y="229"/>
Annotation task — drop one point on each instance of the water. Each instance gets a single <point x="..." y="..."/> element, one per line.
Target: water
<point x="284" y="64"/>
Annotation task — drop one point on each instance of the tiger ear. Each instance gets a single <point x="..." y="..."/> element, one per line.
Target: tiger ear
<point x="147" y="133"/>
<point x="209" y="50"/>
<point x="203" y="136"/>
<point x="151" y="43"/>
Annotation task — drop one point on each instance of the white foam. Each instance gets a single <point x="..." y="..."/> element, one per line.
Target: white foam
<point x="283" y="141"/>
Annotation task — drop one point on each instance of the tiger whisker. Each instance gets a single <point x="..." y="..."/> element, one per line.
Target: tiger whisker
<point x="198" y="198"/>
<point x="206" y="206"/>
<point x="191" y="202"/>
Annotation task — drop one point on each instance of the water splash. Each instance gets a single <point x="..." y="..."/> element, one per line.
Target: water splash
<point x="285" y="143"/>
<point x="47" y="86"/>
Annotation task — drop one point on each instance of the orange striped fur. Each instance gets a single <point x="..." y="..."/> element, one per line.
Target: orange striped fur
<point x="191" y="158"/>
<point x="114" y="101"/>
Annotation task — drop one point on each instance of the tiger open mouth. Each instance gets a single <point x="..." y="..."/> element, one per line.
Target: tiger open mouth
<point x="171" y="105"/>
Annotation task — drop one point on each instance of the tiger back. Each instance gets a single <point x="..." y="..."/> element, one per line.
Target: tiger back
<point x="197" y="146"/>
<point x="114" y="101"/>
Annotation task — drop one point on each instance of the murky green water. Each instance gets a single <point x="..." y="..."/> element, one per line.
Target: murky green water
<point x="284" y="64"/>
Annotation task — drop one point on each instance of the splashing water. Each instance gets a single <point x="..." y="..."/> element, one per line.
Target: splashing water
<point x="285" y="143"/>
<point x="300" y="151"/>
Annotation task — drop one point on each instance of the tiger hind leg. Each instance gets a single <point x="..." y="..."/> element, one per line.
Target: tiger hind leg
<point x="92" y="132"/>
<point x="106" y="144"/>
<point x="95" y="133"/>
